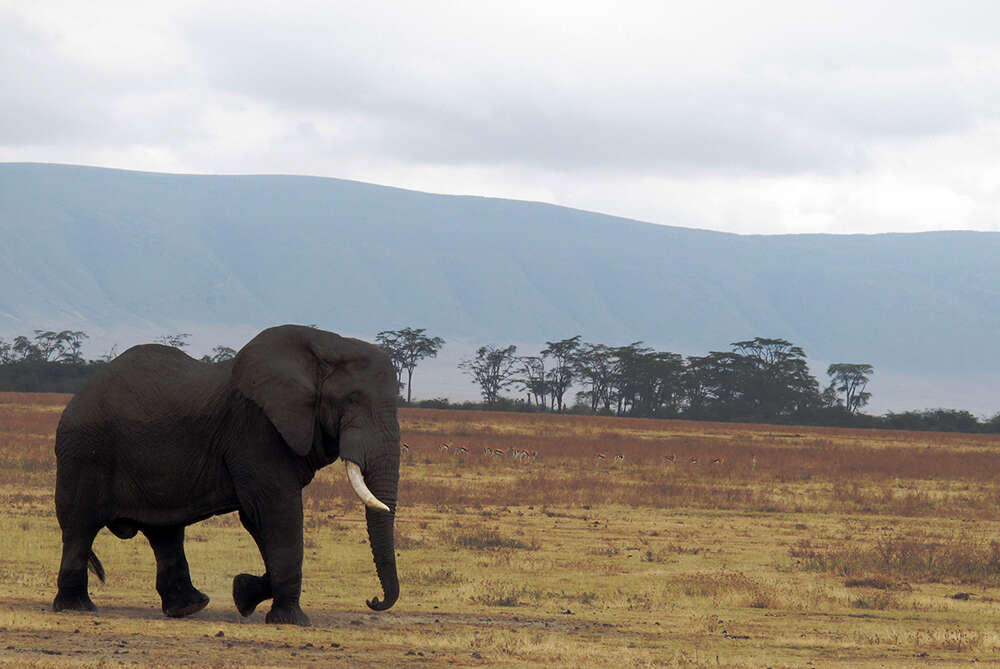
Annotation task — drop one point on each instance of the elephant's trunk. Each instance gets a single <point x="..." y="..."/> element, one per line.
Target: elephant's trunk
<point x="380" y="531"/>
<point x="383" y="480"/>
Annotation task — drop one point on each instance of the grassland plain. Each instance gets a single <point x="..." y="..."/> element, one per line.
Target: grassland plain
<point x="800" y="547"/>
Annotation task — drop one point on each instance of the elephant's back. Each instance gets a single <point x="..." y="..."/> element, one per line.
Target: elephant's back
<point x="145" y="384"/>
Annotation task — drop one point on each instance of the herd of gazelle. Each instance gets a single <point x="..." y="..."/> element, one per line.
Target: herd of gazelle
<point x="672" y="459"/>
<point x="450" y="448"/>
<point x="524" y="454"/>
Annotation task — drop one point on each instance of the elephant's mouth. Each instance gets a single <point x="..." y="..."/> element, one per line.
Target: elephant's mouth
<point x="357" y="481"/>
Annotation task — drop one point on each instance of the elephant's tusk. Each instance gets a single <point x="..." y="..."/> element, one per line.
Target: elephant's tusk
<point x="358" y="483"/>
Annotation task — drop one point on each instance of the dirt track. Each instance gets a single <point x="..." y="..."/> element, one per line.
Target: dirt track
<point x="216" y="636"/>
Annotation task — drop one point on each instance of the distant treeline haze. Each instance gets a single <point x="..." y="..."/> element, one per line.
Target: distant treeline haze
<point x="758" y="380"/>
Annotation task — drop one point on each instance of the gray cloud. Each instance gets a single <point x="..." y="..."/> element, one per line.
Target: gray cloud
<point x="792" y="98"/>
<point x="37" y="83"/>
<point x="779" y="112"/>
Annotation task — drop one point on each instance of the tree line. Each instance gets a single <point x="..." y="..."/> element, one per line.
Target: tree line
<point x="760" y="379"/>
<point x="757" y="380"/>
<point x="52" y="361"/>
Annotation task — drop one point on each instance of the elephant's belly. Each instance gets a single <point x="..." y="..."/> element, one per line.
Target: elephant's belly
<point x="126" y="521"/>
<point x="148" y="494"/>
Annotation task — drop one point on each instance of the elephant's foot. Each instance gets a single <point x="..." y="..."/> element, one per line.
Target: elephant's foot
<point x="178" y="605"/>
<point x="249" y="591"/>
<point x="64" y="602"/>
<point x="290" y="614"/>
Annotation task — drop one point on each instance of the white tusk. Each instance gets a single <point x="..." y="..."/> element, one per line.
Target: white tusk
<point x="358" y="483"/>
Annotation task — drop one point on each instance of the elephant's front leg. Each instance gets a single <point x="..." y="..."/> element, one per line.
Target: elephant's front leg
<point x="277" y="528"/>
<point x="249" y="590"/>
<point x="178" y="595"/>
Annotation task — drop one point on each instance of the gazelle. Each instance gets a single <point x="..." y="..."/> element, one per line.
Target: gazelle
<point x="619" y="458"/>
<point x="404" y="448"/>
<point x="718" y="461"/>
<point x="693" y="460"/>
<point x="444" y="447"/>
<point x="669" y="459"/>
<point x="753" y="461"/>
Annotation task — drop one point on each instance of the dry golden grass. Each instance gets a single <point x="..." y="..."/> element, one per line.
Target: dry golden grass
<point x="840" y="547"/>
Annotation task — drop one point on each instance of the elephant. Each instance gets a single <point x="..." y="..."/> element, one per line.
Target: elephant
<point x="157" y="440"/>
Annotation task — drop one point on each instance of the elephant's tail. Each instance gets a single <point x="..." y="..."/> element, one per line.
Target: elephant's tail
<point x="96" y="566"/>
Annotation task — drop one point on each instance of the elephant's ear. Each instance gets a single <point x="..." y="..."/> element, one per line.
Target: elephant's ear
<point x="277" y="370"/>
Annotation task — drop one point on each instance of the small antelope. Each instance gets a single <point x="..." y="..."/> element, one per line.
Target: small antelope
<point x="619" y="458"/>
<point x="669" y="459"/>
<point x="718" y="460"/>
<point x="499" y="451"/>
<point x="693" y="460"/>
<point x="753" y="461"/>
<point x="601" y="456"/>
<point x="444" y="447"/>
<point x="404" y="448"/>
<point x="463" y="450"/>
<point x="487" y="451"/>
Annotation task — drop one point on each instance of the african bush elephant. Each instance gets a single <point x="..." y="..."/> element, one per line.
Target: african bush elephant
<point x="157" y="441"/>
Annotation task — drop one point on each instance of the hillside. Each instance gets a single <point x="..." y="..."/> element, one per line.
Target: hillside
<point x="126" y="255"/>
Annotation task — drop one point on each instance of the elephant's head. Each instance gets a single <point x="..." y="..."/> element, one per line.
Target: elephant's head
<point x="330" y="396"/>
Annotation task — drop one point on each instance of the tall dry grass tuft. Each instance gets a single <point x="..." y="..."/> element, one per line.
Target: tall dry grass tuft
<point x="489" y="538"/>
<point x="916" y="556"/>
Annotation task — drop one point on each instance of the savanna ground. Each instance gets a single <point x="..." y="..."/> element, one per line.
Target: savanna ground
<point x="836" y="547"/>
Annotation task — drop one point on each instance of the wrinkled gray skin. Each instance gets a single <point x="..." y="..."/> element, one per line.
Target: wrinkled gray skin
<point x="157" y="441"/>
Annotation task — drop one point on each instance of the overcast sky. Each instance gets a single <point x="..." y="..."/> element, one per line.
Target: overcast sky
<point x="751" y="117"/>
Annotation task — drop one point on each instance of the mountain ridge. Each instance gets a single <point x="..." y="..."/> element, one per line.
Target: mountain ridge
<point x="114" y="251"/>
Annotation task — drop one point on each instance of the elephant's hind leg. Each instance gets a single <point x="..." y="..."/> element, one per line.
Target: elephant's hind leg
<point x="72" y="583"/>
<point x="173" y="578"/>
<point x="76" y="509"/>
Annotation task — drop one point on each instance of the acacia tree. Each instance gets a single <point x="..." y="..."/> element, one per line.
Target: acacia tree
<point x="178" y="340"/>
<point x="658" y="384"/>
<point x="851" y="379"/>
<point x="533" y="381"/>
<point x="406" y="348"/>
<point x="712" y="385"/>
<point x="387" y="343"/>
<point x="47" y="346"/>
<point x="493" y="368"/>
<point x="219" y="354"/>
<point x="595" y="366"/>
<point x="560" y="377"/>
<point x="64" y="346"/>
<point x="776" y="379"/>
<point x="628" y="374"/>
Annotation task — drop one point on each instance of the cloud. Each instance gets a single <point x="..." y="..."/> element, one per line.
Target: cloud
<point x="633" y="90"/>
<point x="820" y="116"/>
